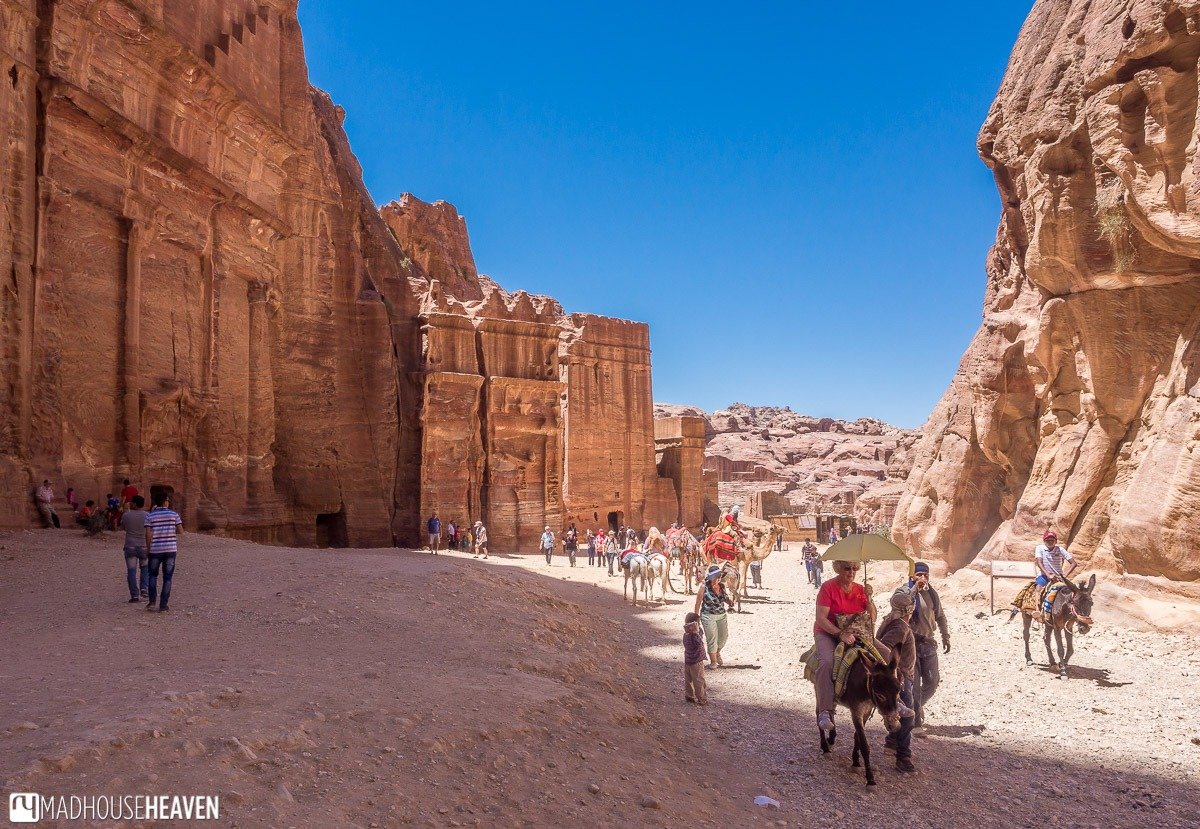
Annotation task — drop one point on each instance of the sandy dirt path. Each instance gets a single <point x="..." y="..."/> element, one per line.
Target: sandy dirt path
<point x="380" y="688"/>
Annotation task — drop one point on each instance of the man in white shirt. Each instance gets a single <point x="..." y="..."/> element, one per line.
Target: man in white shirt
<point x="1049" y="558"/>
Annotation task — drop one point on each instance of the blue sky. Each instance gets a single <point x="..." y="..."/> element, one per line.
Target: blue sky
<point x="789" y="193"/>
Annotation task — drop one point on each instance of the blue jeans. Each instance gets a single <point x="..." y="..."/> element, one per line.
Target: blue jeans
<point x="1041" y="580"/>
<point x="928" y="676"/>
<point x="167" y="563"/>
<point x="136" y="571"/>
<point x="902" y="739"/>
<point x="611" y="558"/>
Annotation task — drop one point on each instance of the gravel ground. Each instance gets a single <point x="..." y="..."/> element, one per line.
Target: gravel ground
<point x="378" y="688"/>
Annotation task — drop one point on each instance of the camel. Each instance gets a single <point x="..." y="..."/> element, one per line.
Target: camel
<point x="759" y="544"/>
<point x="638" y="572"/>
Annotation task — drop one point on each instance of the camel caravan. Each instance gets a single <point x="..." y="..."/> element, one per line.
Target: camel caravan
<point x="734" y="544"/>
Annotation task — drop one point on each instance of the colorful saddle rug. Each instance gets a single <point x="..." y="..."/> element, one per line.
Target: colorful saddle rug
<point x="844" y="657"/>
<point x="721" y="545"/>
<point x="1050" y="595"/>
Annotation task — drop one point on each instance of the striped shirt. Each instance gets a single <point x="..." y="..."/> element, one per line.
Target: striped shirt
<point x="162" y="522"/>
<point x="1052" y="558"/>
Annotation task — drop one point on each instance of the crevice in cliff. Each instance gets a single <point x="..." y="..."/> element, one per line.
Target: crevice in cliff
<point x="484" y="403"/>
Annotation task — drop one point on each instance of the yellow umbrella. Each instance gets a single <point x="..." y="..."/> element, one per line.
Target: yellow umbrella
<point x="864" y="547"/>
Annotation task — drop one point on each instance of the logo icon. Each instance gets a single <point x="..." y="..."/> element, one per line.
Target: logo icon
<point x="24" y="807"/>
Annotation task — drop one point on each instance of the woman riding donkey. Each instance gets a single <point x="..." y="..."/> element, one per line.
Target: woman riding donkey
<point x="872" y="681"/>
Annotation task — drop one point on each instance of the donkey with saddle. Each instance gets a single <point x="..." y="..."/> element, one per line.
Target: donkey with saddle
<point x="1061" y="607"/>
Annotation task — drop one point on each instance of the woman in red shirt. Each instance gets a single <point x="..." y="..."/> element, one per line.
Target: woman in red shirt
<point x="841" y="595"/>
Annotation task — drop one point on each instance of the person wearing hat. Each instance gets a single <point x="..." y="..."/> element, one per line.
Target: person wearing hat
<point x="481" y="540"/>
<point x="710" y="604"/>
<point x="895" y="632"/>
<point x="1049" y="557"/>
<point x="547" y="544"/>
<point x="927" y="614"/>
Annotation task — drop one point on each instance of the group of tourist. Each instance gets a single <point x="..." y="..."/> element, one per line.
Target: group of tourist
<point x="94" y="519"/>
<point x="457" y="536"/>
<point x="150" y="538"/>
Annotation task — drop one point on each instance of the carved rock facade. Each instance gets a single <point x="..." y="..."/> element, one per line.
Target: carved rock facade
<point x="199" y="292"/>
<point x="1077" y="405"/>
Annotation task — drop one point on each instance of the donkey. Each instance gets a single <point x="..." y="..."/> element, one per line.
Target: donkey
<point x="637" y="571"/>
<point x="658" y="571"/>
<point x="1072" y="606"/>
<point x="868" y="688"/>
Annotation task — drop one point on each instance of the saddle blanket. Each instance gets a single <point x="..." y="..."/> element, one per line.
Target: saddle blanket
<point x="1050" y="595"/>
<point x="628" y="554"/>
<point x="843" y="660"/>
<point x="722" y="546"/>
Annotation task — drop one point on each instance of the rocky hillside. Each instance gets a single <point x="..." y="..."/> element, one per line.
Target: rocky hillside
<point x="1077" y="403"/>
<point x="857" y="467"/>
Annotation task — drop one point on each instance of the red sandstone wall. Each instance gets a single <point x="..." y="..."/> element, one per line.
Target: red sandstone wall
<point x="200" y="293"/>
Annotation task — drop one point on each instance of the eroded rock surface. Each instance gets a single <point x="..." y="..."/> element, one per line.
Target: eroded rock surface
<point x="199" y="292"/>
<point x="1077" y="405"/>
<point x="815" y="464"/>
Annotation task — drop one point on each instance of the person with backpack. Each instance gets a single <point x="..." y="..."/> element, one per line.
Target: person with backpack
<point x="547" y="544"/>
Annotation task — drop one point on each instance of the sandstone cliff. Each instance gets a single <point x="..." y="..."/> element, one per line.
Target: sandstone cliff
<point x="1077" y="404"/>
<point x="818" y="464"/>
<point x="199" y="293"/>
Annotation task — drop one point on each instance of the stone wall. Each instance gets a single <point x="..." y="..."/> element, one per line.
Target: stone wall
<point x="201" y="293"/>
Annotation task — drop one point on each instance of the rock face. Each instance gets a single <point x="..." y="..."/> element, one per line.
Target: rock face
<point x="1077" y="404"/>
<point x="811" y="464"/>
<point x="199" y="292"/>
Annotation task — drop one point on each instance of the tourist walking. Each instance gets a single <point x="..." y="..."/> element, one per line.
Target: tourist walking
<point x="137" y="564"/>
<point x="481" y="540"/>
<point x="611" y="550"/>
<point x="809" y="553"/>
<point x="43" y="496"/>
<point x="452" y="536"/>
<point x="756" y="573"/>
<point x="434" y="528"/>
<point x="927" y="615"/>
<point x="547" y="544"/>
<point x="695" y="687"/>
<point x="710" y="604"/>
<point x="591" y="548"/>
<point x="570" y="541"/>
<point x="163" y="528"/>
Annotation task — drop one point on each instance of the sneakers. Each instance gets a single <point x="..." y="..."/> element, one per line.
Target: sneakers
<point x="825" y="722"/>
<point x="145" y="594"/>
<point x="134" y="599"/>
<point x="150" y="606"/>
<point x="163" y="609"/>
<point x="905" y="765"/>
<point x="904" y="711"/>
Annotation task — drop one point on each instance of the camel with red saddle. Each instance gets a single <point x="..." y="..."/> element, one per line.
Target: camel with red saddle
<point x="758" y="542"/>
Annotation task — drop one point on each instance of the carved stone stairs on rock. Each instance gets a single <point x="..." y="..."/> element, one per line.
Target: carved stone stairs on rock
<point x="246" y="56"/>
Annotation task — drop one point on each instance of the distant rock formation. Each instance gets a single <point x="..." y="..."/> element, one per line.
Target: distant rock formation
<point x="1077" y="405"/>
<point x="199" y="293"/>
<point x="816" y="464"/>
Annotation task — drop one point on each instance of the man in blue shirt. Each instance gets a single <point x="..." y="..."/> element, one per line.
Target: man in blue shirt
<point x="163" y="528"/>
<point x="434" y="527"/>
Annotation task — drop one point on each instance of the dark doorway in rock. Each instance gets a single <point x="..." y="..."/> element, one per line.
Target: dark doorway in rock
<point x="331" y="529"/>
<point x="615" y="519"/>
